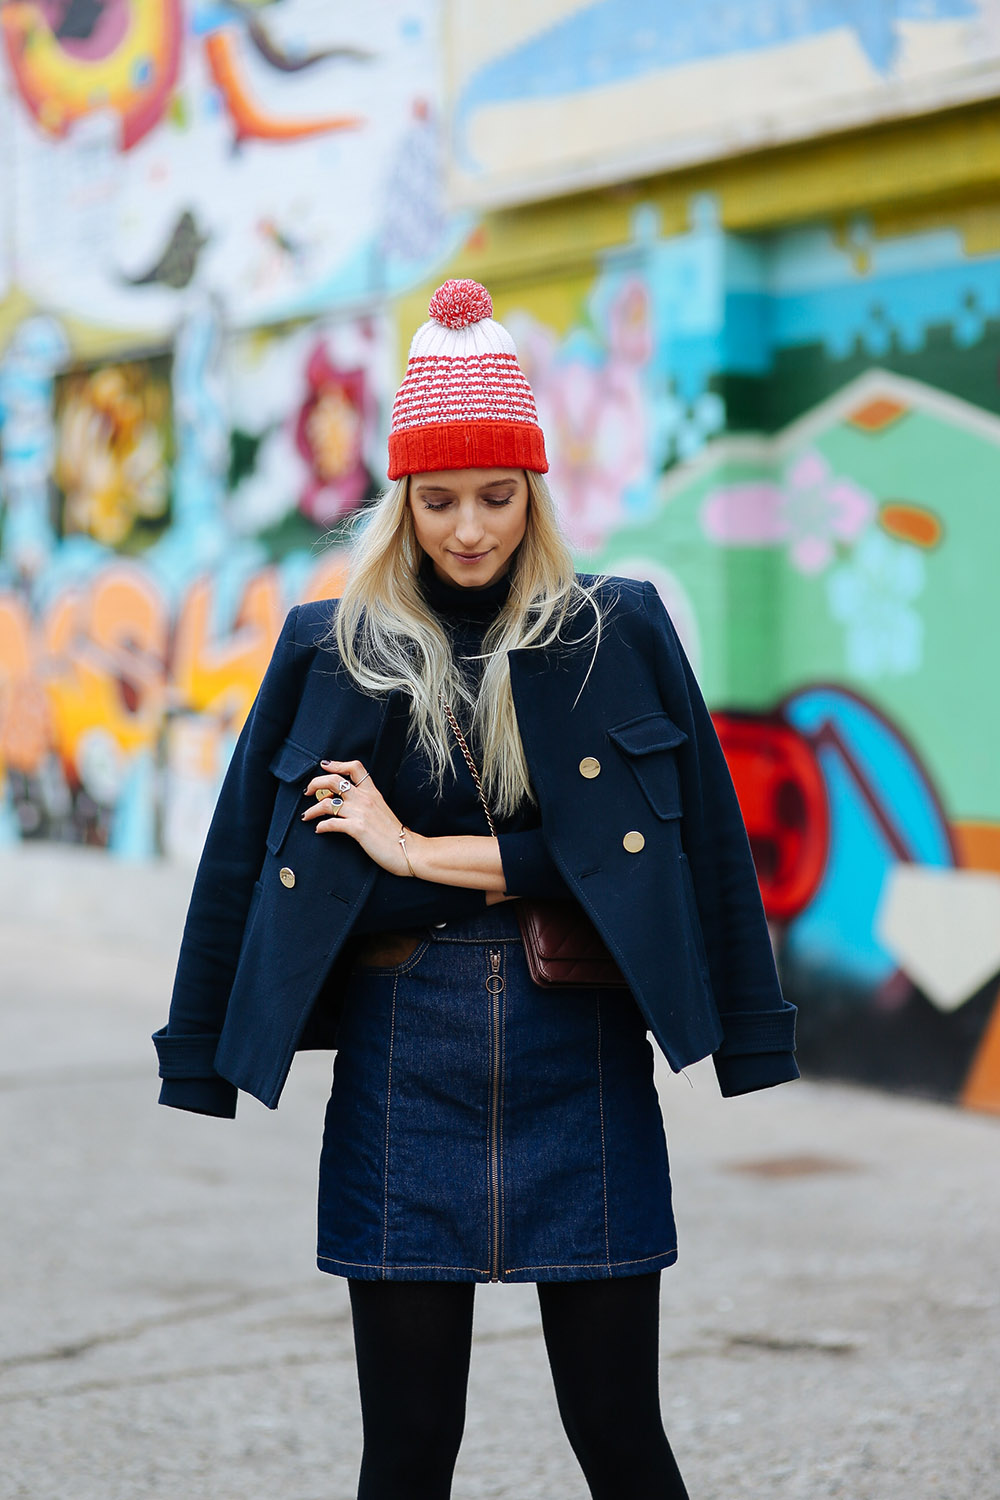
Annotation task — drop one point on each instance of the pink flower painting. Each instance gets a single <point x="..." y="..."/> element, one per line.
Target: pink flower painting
<point x="808" y="514"/>
<point x="593" y="411"/>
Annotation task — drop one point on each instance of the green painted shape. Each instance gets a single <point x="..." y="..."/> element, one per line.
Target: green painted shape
<point x="767" y="630"/>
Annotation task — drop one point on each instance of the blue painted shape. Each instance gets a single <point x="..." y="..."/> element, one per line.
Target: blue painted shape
<point x="132" y="834"/>
<point x="611" y="41"/>
<point x="840" y="316"/>
<point x="836" y="931"/>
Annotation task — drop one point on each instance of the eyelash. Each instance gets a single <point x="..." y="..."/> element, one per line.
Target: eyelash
<point x="444" y="503"/>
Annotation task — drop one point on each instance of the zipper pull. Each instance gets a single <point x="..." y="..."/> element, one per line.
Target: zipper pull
<point x="494" y="979"/>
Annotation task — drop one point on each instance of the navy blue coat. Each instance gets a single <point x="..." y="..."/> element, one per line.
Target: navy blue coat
<point x="257" y="974"/>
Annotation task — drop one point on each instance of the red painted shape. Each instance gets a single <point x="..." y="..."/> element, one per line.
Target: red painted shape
<point x="784" y="805"/>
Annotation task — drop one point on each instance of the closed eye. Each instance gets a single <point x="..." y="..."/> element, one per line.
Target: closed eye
<point x="445" y="503"/>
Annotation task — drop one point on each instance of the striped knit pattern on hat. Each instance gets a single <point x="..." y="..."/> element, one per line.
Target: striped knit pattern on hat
<point x="464" y="402"/>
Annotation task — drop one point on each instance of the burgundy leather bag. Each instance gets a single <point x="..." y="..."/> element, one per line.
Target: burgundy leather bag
<point x="561" y="943"/>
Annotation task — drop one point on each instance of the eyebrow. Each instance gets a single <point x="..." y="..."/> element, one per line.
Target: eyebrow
<point x="439" y="489"/>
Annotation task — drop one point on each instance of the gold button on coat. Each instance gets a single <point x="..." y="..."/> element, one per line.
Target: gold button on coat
<point x="286" y="876"/>
<point x="633" y="841"/>
<point x="590" y="767"/>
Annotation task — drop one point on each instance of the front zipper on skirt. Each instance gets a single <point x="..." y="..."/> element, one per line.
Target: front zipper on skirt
<point x="494" y="988"/>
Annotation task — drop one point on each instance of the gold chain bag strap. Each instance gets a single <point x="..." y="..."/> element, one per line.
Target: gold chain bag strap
<point x="561" y="943"/>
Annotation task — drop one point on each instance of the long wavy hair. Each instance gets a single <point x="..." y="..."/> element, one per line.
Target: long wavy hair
<point x="387" y="636"/>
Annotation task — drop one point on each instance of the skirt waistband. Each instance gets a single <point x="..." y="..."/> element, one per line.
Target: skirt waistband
<point x="497" y="922"/>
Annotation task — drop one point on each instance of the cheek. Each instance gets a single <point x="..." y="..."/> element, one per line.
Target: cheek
<point x="424" y="526"/>
<point x="512" y="526"/>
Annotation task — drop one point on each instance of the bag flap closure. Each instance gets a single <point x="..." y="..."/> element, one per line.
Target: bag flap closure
<point x="655" y="731"/>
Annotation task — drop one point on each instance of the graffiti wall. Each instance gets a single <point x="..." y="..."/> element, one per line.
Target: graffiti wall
<point x="160" y="517"/>
<point x="283" y="155"/>
<point x="795" y="434"/>
<point x="555" y="95"/>
<point x="204" y="212"/>
<point x="798" y="438"/>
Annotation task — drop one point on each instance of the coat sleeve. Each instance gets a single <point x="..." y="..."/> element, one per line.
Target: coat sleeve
<point x="758" y="1023"/>
<point x="229" y="867"/>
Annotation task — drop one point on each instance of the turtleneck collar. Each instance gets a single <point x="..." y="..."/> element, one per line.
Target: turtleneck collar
<point x="471" y="603"/>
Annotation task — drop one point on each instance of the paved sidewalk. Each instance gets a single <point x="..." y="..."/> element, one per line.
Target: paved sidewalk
<point x="831" y="1327"/>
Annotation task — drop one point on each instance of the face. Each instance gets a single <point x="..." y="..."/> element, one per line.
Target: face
<point x="470" y="521"/>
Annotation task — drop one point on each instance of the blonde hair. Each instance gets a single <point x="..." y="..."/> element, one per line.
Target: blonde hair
<point x="388" y="637"/>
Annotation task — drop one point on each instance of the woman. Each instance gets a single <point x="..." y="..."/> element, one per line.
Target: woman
<point x="355" y="892"/>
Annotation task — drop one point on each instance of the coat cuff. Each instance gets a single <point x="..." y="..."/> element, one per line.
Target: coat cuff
<point x="755" y="1070"/>
<point x="190" y="1056"/>
<point x="204" y="1096"/>
<point x="528" y="867"/>
<point x="746" y="1031"/>
<point x="187" y="1067"/>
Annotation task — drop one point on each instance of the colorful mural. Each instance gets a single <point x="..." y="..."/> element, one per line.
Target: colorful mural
<point x="562" y="94"/>
<point x="836" y="573"/>
<point x="795" y="434"/>
<point x="159" y="519"/>
<point x="157" y="128"/>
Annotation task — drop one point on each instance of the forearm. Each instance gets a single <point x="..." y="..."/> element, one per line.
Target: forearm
<point x="462" y="859"/>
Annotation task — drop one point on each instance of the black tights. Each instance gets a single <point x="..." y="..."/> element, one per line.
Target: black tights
<point x="413" y="1340"/>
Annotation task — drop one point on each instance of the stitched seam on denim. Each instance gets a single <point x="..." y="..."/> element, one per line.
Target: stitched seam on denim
<point x="491" y="1059"/>
<point x="388" y="1102"/>
<point x="398" y="1265"/>
<point x="477" y="942"/>
<point x="587" y="1265"/>
<point x="502" y="1064"/>
<point x="604" y="1156"/>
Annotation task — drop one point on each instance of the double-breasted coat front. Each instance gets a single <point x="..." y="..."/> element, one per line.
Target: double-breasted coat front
<point x="651" y="843"/>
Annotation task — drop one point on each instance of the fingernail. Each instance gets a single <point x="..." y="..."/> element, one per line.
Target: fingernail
<point x="326" y="762"/>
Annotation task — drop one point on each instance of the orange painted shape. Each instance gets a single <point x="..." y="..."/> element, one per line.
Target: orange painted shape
<point x="105" y="652"/>
<point x="978" y="845"/>
<point x="25" y="718"/>
<point x="911" y="523"/>
<point x="221" y="677"/>
<point x="250" y="120"/>
<point x="982" y="1086"/>
<point x="877" y="414"/>
<point x="327" y="579"/>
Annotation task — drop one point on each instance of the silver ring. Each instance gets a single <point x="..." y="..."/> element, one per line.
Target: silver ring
<point x="363" y="778"/>
<point x="345" y="784"/>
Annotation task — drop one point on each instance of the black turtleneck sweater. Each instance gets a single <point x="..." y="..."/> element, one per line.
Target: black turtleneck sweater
<point x="401" y="900"/>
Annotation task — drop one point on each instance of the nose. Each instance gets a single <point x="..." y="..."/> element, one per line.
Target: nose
<point x="468" y="530"/>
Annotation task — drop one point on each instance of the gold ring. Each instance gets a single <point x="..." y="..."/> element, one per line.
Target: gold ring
<point x="322" y="793"/>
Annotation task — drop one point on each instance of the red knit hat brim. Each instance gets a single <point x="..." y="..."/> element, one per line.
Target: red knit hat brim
<point x="466" y="445"/>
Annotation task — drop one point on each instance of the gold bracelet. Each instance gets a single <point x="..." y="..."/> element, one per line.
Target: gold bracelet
<point x="403" y="831"/>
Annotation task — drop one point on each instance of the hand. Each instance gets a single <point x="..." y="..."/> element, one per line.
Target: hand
<point x="363" y="815"/>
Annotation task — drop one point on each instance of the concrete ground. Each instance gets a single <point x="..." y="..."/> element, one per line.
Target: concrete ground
<point x="831" y="1327"/>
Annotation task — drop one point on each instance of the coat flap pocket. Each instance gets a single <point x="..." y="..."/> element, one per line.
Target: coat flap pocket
<point x="291" y="762"/>
<point x="649" y="743"/>
<point x="655" y="731"/>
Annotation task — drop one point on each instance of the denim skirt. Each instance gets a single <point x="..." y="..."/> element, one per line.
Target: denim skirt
<point x="484" y="1128"/>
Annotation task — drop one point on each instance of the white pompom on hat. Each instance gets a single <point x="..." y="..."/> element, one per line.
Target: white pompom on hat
<point x="464" y="402"/>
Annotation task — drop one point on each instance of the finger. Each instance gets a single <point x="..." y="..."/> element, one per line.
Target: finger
<point x="332" y="825"/>
<point x="330" y="783"/>
<point x="352" y="769"/>
<point x="323" y="809"/>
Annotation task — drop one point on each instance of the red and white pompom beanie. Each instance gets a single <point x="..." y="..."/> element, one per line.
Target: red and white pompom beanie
<point x="464" y="402"/>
